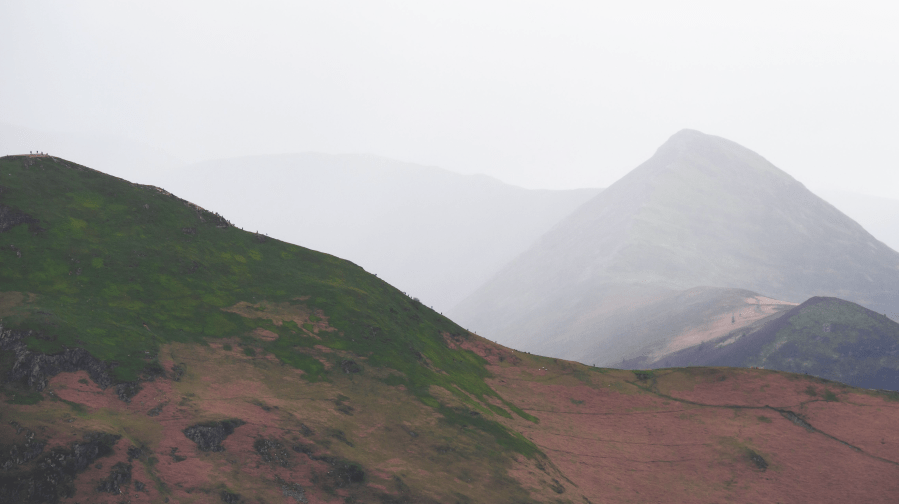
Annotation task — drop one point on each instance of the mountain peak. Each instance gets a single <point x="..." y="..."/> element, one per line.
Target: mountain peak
<point x="691" y="149"/>
<point x="702" y="211"/>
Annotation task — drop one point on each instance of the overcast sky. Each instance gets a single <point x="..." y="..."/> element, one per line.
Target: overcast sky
<point x="539" y="94"/>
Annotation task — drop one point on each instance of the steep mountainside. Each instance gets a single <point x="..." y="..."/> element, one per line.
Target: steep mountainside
<point x="825" y="337"/>
<point x="432" y="233"/>
<point x="152" y="352"/>
<point x="703" y="211"/>
<point x="879" y="216"/>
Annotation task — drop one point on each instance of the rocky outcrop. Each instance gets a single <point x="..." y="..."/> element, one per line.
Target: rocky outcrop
<point x="119" y="477"/>
<point x="35" y="369"/>
<point x="272" y="451"/>
<point x="16" y="455"/>
<point x="10" y="217"/>
<point x="53" y="476"/>
<point x="209" y="436"/>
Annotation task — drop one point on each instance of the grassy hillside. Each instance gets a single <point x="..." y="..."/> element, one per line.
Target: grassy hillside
<point x="119" y="269"/>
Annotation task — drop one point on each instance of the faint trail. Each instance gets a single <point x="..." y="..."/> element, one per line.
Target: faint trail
<point x="786" y="413"/>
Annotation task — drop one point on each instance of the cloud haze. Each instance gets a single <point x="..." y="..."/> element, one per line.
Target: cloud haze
<point x="538" y="94"/>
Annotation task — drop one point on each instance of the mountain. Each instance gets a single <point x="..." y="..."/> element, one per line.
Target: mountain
<point x="152" y="352"/>
<point x="879" y="216"/>
<point x="115" y="155"/>
<point x="433" y="233"/>
<point x="825" y="337"/>
<point x="680" y="320"/>
<point x="703" y="211"/>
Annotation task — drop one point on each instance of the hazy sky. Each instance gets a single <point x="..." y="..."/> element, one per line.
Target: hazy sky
<point x="540" y="94"/>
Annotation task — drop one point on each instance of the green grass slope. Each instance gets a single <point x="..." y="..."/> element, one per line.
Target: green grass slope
<point x="120" y="269"/>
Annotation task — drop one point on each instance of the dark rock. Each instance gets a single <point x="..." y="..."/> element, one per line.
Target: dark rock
<point x="135" y="453"/>
<point x="119" y="476"/>
<point x="18" y="454"/>
<point x="230" y="498"/>
<point x="152" y="372"/>
<point x="35" y="369"/>
<point x="10" y="218"/>
<point x="272" y="451"/>
<point x="343" y="473"/>
<point x="557" y="487"/>
<point x="175" y="457"/>
<point x="757" y="459"/>
<point x="260" y="238"/>
<point x="156" y="411"/>
<point x="127" y="390"/>
<point x="295" y="491"/>
<point x="796" y="419"/>
<point x="53" y="475"/>
<point x="209" y="436"/>
<point x="139" y="486"/>
<point x="189" y="230"/>
<point x="350" y="367"/>
<point x="178" y="371"/>
<point x="302" y="448"/>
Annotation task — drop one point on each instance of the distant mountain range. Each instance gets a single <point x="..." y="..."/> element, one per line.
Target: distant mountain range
<point x="702" y="212"/>
<point x="435" y="234"/>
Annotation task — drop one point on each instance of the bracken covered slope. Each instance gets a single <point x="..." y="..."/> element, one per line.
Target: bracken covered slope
<point x="151" y="352"/>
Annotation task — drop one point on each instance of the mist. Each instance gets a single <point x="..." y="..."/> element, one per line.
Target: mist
<point x="556" y="95"/>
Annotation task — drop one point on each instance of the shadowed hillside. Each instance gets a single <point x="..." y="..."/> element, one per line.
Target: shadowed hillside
<point x="703" y="211"/>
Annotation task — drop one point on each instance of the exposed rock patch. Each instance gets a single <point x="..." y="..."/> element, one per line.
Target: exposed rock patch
<point x="35" y="369"/>
<point x="127" y="390"/>
<point x="350" y="367"/>
<point x="119" y="477"/>
<point x="53" y="476"/>
<point x="342" y="473"/>
<point x="209" y="436"/>
<point x="272" y="451"/>
<point x="19" y="454"/>
<point x="230" y="498"/>
<point x="178" y="371"/>
<point x="294" y="491"/>
<point x="760" y="463"/>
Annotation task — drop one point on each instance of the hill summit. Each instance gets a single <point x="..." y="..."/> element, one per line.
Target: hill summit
<point x="702" y="211"/>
